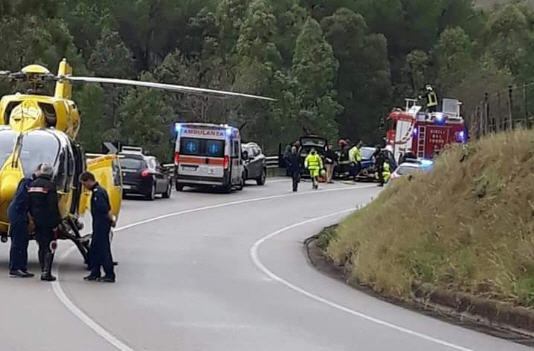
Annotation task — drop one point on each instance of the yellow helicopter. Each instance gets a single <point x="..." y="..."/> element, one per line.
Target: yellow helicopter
<point x="36" y="128"/>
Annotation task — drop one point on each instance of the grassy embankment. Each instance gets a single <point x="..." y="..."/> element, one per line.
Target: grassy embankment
<point x="468" y="226"/>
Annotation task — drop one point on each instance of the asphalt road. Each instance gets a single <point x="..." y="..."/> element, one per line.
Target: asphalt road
<point x="205" y="271"/>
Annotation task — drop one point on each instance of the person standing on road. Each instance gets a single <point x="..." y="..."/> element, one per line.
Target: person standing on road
<point x="18" y="214"/>
<point x="380" y="159"/>
<point x="293" y="166"/>
<point x="314" y="164"/>
<point x="103" y="220"/>
<point x="355" y="157"/>
<point x="330" y="160"/>
<point x="45" y="213"/>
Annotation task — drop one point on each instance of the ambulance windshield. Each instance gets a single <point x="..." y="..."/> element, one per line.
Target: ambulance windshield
<point x="202" y="147"/>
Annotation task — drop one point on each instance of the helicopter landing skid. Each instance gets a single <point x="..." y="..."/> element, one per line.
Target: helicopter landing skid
<point x="81" y="242"/>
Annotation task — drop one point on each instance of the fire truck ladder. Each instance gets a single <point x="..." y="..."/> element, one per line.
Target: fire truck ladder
<point x="421" y="141"/>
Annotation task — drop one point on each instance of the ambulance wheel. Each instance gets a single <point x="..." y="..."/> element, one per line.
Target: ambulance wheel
<point x="152" y="195"/>
<point x="168" y="192"/>
<point x="262" y="177"/>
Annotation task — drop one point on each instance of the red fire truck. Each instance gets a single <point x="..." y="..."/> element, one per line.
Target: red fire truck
<point x="423" y="134"/>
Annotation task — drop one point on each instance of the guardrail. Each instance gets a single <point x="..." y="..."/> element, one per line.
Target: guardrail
<point x="272" y="161"/>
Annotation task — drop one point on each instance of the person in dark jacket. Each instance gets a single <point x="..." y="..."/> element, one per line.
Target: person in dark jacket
<point x="380" y="158"/>
<point x="103" y="220"/>
<point x="330" y="160"/>
<point x="293" y="162"/>
<point x="18" y="214"/>
<point x="46" y="217"/>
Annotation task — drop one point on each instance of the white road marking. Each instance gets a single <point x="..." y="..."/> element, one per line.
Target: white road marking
<point x="255" y="258"/>
<point x="108" y="336"/>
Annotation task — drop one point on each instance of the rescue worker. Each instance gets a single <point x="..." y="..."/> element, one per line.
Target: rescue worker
<point x="314" y="164"/>
<point x="330" y="160"/>
<point x="431" y="99"/>
<point x="293" y="166"/>
<point x="379" y="164"/>
<point x="18" y="212"/>
<point x="355" y="157"/>
<point x="45" y="213"/>
<point x="386" y="172"/>
<point x="103" y="220"/>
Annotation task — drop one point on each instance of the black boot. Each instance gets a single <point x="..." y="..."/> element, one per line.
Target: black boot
<point x="47" y="273"/>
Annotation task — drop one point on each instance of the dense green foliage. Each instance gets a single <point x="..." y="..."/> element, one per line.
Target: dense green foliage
<point x="335" y="66"/>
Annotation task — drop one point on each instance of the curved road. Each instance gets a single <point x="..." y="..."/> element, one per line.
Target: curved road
<point x="206" y="271"/>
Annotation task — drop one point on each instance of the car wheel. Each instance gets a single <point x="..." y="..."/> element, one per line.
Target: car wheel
<point x="179" y="187"/>
<point x="152" y="195"/>
<point x="241" y="184"/>
<point x="168" y="192"/>
<point x="261" y="179"/>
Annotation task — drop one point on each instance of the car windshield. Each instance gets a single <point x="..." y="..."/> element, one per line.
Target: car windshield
<point x="404" y="170"/>
<point x="313" y="142"/>
<point x="367" y="152"/>
<point x="38" y="147"/>
<point x="131" y="163"/>
<point x="7" y="141"/>
<point x="202" y="147"/>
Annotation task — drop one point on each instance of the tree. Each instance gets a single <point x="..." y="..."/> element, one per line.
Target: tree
<point x="314" y="70"/>
<point x="363" y="81"/>
<point x="453" y="58"/>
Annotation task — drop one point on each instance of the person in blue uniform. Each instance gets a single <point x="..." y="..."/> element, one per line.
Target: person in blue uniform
<point x="44" y="209"/>
<point x="18" y="212"/>
<point x="100" y="250"/>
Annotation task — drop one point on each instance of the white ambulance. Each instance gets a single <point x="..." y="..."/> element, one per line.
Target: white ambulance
<point x="208" y="155"/>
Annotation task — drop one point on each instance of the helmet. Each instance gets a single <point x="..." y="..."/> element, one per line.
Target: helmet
<point x="323" y="173"/>
<point x="429" y="87"/>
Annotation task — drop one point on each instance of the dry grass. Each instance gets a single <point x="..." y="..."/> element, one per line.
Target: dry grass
<point x="468" y="225"/>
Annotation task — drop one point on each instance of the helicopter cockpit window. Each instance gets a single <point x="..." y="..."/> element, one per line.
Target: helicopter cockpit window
<point x="7" y="143"/>
<point x="39" y="147"/>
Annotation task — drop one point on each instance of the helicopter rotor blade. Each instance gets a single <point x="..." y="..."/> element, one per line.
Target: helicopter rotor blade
<point x="5" y="73"/>
<point x="170" y="87"/>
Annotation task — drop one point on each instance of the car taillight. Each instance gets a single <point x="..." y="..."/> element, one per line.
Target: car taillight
<point x="145" y="173"/>
<point x="226" y="162"/>
<point x="176" y="158"/>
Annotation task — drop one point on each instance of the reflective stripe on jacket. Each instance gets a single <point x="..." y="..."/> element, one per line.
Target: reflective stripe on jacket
<point x="313" y="162"/>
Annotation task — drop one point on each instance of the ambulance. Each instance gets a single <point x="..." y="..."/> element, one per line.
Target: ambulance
<point x="208" y="155"/>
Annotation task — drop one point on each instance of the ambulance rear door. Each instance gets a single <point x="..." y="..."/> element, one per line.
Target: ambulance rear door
<point x="201" y="157"/>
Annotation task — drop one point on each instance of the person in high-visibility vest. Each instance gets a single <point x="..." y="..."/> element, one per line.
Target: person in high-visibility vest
<point x="355" y="157"/>
<point x="314" y="164"/>
<point x="431" y="99"/>
<point x="386" y="172"/>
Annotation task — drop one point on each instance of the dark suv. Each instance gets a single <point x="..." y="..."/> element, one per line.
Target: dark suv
<point x="144" y="175"/>
<point x="254" y="163"/>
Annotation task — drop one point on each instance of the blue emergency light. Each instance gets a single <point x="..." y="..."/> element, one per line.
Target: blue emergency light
<point x="177" y="127"/>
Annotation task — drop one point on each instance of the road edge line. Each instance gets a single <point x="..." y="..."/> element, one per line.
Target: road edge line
<point x="108" y="336"/>
<point x="254" y="254"/>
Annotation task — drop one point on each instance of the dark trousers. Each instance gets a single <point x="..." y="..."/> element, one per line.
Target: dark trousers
<point x="296" y="179"/>
<point x="355" y="169"/>
<point x="44" y="236"/>
<point x="18" y="254"/>
<point x="100" y="252"/>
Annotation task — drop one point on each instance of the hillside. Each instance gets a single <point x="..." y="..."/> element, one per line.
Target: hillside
<point x="466" y="226"/>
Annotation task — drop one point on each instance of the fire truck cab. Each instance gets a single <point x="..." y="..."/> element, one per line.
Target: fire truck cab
<point x="423" y="134"/>
<point x="208" y="155"/>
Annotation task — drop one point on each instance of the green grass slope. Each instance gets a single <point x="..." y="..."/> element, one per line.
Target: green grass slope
<point x="468" y="225"/>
